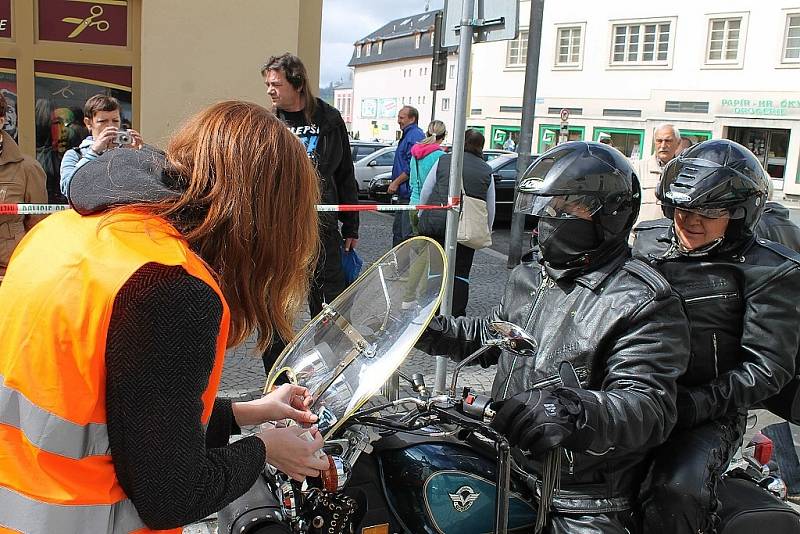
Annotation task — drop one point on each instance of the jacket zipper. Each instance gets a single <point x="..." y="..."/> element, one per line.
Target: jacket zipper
<point x="571" y="460"/>
<point x="710" y="297"/>
<point x="716" y="360"/>
<point x="542" y="286"/>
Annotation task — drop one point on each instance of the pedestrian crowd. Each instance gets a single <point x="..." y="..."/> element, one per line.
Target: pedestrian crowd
<point x="672" y="290"/>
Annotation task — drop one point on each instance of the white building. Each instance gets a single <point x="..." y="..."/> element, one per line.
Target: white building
<point x="718" y="68"/>
<point x="343" y="101"/>
<point x="391" y="69"/>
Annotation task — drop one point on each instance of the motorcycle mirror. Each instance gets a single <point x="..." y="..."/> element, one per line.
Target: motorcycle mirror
<point x="514" y="339"/>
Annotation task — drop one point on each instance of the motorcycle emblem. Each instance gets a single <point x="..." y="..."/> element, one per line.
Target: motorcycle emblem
<point x="463" y="498"/>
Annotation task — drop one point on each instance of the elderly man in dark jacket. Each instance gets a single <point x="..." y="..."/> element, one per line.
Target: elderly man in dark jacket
<point x="614" y="319"/>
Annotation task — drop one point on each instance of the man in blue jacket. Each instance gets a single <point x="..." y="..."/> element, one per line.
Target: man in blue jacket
<point x="407" y="118"/>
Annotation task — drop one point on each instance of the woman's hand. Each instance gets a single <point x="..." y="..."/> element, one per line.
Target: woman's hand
<point x="286" y="402"/>
<point x="292" y="454"/>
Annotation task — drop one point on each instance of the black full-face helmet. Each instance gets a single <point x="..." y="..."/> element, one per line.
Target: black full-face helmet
<point x="716" y="178"/>
<point x="586" y="181"/>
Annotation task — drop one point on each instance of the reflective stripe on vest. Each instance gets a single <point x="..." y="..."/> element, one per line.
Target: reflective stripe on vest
<point x="49" y="432"/>
<point x="56" y="469"/>
<point x="27" y="515"/>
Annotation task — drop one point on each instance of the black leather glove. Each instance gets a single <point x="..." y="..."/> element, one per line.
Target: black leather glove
<point x="537" y="420"/>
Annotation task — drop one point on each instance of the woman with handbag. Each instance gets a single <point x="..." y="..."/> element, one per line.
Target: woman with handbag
<point x="477" y="183"/>
<point x="423" y="157"/>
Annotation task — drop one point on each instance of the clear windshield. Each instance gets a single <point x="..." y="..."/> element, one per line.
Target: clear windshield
<point x="348" y="351"/>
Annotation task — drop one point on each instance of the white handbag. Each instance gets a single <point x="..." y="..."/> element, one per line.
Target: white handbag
<point x="473" y="223"/>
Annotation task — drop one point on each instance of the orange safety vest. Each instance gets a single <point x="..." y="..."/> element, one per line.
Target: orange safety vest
<point x="56" y="472"/>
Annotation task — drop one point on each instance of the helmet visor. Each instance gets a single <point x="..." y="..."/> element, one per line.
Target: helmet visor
<point x="578" y="206"/>
<point x="715" y="213"/>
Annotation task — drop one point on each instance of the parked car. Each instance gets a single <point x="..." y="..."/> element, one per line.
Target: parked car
<point x="361" y="149"/>
<point x="378" y="186"/>
<point x="488" y="153"/>
<point x="504" y="172"/>
<point x="367" y="167"/>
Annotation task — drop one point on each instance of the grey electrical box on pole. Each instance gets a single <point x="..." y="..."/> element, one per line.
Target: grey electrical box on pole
<point x="526" y="127"/>
<point x="461" y="22"/>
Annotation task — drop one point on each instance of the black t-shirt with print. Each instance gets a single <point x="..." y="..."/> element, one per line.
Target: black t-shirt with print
<point x="306" y="131"/>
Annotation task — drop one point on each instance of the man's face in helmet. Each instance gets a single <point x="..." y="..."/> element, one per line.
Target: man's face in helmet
<point x="695" y="231"/>
<point x="666" y="144"/>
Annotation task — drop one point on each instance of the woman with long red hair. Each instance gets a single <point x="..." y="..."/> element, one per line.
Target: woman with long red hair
<point x="117" y="315"/>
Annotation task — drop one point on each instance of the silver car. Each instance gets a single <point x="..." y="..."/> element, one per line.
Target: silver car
<point x="376" y="163"/>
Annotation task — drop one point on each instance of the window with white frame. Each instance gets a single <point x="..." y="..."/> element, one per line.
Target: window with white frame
<point x="445" y="104"/>
<point x="451" y="71"/>
<point x="369" y="49"/>
<point x="791" y="40"/>
<point x="569" y="46"/>
<point x="517" y="50"/>
<point x="417" y="40"/>
<point x="642" y="43"/>
<point x="358" y="50"/>
<point x="725" y="40"/>
<point x="380" y="47"/>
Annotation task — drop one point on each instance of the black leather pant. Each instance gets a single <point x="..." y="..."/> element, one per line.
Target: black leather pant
<point x="608" y="523"/>
<point x="680" y="495"/>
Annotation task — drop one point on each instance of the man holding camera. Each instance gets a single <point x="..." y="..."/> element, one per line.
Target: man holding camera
<point x="101" y="114"/>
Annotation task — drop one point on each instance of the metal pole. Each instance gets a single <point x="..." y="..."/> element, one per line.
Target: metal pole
<point x="526" y="128"/>
<point x="433" y="106"/>
<point x="456" y="165"/>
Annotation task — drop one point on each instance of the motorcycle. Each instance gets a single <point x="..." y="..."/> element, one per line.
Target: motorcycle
<point x="423" y="463"/>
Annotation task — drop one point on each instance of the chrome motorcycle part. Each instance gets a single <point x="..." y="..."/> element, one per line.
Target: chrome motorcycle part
<point x="335" y="478"/>
<point x="514" y="338"/>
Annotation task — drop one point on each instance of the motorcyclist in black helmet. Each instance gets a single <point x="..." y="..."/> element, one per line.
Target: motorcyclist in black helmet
<point x="742" y="297"/>
<point x="586" y="302"/>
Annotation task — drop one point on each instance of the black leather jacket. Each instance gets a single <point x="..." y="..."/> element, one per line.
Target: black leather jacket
<point x="625" y="333"/>
<point x="776" y="225"/>
<point x="743" y="308"/>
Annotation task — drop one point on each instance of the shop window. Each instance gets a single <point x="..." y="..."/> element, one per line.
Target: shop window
<point x="646" y="43"/>
<point x="61" y="91"/>
<point x="504" y="137"/>
<point x="8" y="88"/>
<point x="480" y="129"/>
<point x="770" y="146"/>
<point x="726" y="38"/>
<point x="549" y="133"/>
<point x="569" y="46"/>
<point x="629" y="142"/>
<point x="695" y="136"/>
<point x="517" y="50"/>
<point x="791" y="41"/>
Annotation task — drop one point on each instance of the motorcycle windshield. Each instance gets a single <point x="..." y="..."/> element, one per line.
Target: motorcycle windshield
<point x="346" y="353"/>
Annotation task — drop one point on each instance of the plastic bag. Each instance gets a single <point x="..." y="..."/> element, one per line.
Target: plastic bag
<point x="351" y="265"/>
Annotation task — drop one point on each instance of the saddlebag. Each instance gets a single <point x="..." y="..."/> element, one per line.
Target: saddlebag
<point x="749" y="508"/>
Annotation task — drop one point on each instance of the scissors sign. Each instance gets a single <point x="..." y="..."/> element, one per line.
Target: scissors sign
<point x="82" y="24"/>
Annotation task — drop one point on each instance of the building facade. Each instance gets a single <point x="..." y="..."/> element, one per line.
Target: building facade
<point x="720" y="68"/>
<point x="343" y="101"/>
<point x="160" y="59"/>
<point x="391" y="69"/>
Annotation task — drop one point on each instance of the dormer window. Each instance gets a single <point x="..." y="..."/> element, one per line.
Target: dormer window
<point x="417" y="39"/>
<point x="368" y="49"/>
<point x="380" y="47"/>
<point x="358" y="51"/>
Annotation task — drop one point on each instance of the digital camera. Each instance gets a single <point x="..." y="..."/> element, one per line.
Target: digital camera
<point x="123" y="138"/>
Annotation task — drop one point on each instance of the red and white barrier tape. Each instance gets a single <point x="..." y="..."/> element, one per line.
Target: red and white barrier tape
<point x="44" y="209"/>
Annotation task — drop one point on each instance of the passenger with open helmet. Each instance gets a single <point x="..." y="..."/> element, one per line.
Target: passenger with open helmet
<point x="586" y="302"/>
<point x="742" y="296"/>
